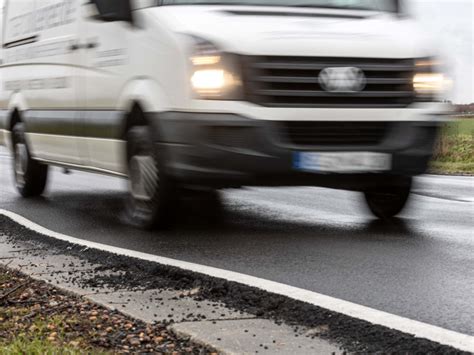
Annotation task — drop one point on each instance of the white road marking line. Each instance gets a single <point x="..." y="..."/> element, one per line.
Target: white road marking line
<point x="428" y="194"/>
<point x="457" y="340"/>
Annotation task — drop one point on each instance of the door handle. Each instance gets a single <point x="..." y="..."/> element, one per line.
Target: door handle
<point x="74" y="47"/>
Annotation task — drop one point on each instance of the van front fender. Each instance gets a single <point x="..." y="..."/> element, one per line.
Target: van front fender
<point x="147" y="93"/>
<point x="16" y="102"/>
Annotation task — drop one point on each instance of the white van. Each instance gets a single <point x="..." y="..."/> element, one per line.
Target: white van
<point x="216" y="94"/>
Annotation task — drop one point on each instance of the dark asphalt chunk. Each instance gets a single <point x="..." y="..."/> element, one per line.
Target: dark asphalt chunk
<point x="131" y="274"/>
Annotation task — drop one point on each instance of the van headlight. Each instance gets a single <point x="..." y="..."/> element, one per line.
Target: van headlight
<point x="214" y="74"/>
<point x="429" y="81"/>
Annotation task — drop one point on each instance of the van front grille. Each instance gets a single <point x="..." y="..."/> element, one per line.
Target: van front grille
<point x="303" y="133"/>
<point x="278" y="81"/>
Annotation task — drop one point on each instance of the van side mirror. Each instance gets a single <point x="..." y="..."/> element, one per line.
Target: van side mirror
<point x="114" y="10"/>
<point x="398" y="7"/>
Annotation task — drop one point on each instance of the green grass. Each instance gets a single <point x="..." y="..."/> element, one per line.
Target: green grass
<point x="54" y="334"/>
<point x="463" y="126"/>
<point x="35" y="337"/>
<point x="452" y="168"/>
<point x="454" y="152"/>
<point x="36" y="346"/>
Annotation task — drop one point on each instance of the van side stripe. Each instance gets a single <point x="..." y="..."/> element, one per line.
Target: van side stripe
<point x="21" y="42"/>
<point x="90" y="124"/>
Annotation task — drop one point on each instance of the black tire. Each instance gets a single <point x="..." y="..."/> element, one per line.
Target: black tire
<point x="152" y="194"/>
<point x="387" y="202"/>
<point x="30" y="175"/>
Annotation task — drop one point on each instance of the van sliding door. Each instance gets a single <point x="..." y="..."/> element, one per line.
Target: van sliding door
<point x="40" y="74"/>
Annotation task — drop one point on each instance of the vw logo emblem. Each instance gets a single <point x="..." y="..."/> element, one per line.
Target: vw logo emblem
<point x="342" y="79"/>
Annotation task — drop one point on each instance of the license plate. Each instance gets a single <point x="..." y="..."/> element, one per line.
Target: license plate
<point x="342" y="162"/>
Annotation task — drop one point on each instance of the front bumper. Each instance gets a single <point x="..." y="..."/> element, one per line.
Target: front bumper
<point x="226" y="150"/>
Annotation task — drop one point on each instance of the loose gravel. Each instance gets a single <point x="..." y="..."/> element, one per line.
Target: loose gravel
<point x="33" y="312"/>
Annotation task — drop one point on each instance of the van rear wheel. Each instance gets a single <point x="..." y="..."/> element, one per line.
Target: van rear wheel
<point x="30" y="175"/>
<point x="387" y="202"/>
<point x="151" y="191"/>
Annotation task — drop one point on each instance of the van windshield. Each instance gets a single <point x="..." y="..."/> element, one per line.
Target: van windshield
<point x="376" y="5"/>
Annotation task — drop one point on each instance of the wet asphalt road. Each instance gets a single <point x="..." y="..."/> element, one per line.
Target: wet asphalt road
<point x="420" y="266"/>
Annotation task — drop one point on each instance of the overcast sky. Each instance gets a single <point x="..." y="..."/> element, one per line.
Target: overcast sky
<point x="452" y="24"/>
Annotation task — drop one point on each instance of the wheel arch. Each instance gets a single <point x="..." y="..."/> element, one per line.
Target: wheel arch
<point x="139" y="97"/>
<point x="146" y="91"/>
<point x="17" y="105"/>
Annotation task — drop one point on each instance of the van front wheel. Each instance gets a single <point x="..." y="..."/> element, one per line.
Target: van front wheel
<point x="388" y="202"/>
<point x="151" y="191"/>
<point x="30" y="175"/>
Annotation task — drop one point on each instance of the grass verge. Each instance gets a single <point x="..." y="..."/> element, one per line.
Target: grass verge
<point x="454" y="152"/>
<point x="36" y="318"/>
